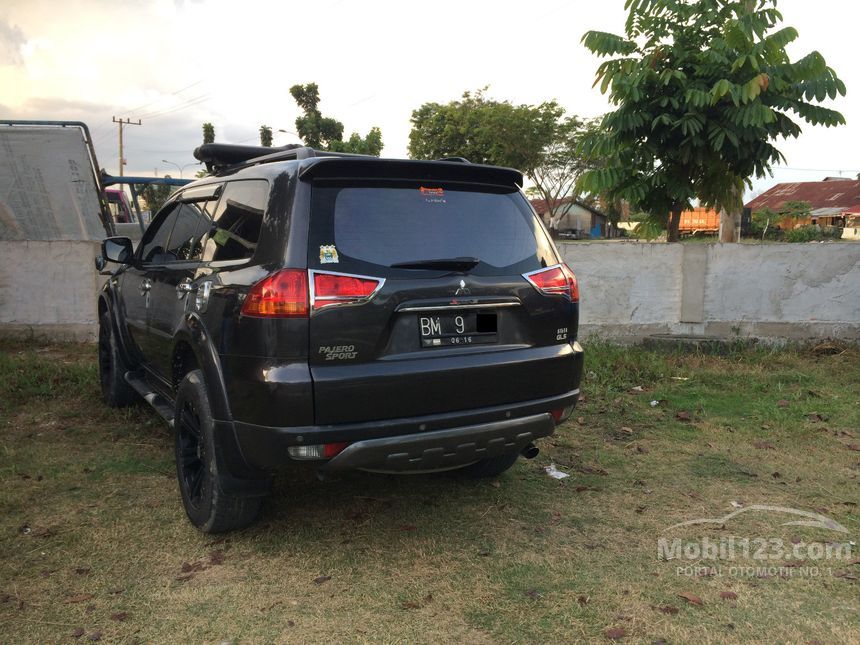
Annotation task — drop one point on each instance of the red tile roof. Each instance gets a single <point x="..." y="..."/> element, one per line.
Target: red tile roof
<point x="844" y="195"/>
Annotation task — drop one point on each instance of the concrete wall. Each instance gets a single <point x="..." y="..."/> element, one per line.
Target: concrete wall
<point x="48" y="289"/>
<point x="629" y="289"/>
<point x="770" y="291"/>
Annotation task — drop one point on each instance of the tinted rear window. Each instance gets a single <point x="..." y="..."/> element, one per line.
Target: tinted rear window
<point x="389" y="225"/>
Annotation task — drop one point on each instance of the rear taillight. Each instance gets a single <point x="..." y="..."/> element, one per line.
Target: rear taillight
<point x="555" y="280"/>
<point x="342" y="289"/>
<point x="281" y="295"/>
<point x="574" y="285"/>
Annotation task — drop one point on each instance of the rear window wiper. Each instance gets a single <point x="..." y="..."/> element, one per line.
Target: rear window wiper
<point x="451" y="264"/>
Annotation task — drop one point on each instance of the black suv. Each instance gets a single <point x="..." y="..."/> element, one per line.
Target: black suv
<point x="375" y="314"/>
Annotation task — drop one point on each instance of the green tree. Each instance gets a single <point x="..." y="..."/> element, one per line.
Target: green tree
<point x="316" y="130"/>
<point x="484" y="131"/>
<point x="266" y="136"/>
<point x="326" y="133"/>
<point x="540" y="140"/>
<point x="796" y="209"/>
<point x="702" y="89"/>
<point x="208" y="133"/>
<point x="559" y="168"/>
<point x="155" y="195"/>
<point x="762" y="221"/>
<point x="371" y="144"/>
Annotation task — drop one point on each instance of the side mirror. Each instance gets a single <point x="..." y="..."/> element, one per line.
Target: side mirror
<point x="117" y="249"/>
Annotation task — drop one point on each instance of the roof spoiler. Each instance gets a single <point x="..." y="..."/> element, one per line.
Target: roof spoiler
<point x="220" y="157"/>
<point x="375" y="168"/>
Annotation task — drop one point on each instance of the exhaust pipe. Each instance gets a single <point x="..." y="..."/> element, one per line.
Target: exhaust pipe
<point x="530" y="451"/>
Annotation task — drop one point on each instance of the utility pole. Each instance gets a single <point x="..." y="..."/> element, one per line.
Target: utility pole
<point x="121" y="123"/>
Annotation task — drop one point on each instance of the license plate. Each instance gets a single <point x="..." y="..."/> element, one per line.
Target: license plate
<point x="466" y="328"/>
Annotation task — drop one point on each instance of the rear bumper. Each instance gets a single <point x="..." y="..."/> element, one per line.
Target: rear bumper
<point x="449" y="439"/>
<point x="443" y="449"/>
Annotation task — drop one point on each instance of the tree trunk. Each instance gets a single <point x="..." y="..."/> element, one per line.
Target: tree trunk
<point x="730" y="220"/>
<point x="730" y="226"/>
<point x="673" y="233"/>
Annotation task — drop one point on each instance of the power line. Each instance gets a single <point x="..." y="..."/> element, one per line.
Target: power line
<point x="172" y="107"/>
<point x="187" y="104"/>
<point x="817" y="169"/>
<point x="101" y="132"/>
<point x="146" y="105"/>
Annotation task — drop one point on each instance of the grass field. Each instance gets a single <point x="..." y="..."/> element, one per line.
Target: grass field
<point x="94" y="543"/>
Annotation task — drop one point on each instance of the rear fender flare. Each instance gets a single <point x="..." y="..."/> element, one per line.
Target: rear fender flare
<point x="193" y="332"/>
<point x="242" y="479"/>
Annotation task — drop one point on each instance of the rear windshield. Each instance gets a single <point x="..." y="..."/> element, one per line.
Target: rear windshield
<point x="386" y="225"/>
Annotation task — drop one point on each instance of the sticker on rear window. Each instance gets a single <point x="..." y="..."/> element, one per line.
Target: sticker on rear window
<point x="432" y="195"/>
<point x="328" y="254"/>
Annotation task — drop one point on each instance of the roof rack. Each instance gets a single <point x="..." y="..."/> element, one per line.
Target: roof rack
<point x="219" y="157"/>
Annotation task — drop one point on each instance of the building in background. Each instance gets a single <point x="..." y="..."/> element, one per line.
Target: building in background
<point x="578" y="220"/>
<point x="833" y="202"/>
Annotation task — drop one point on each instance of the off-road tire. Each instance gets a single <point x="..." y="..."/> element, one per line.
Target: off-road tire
<point x="199" y="467"/>
<point x="116" y="392"/>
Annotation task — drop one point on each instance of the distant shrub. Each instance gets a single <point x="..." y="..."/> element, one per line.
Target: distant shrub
<point x="764" y="225"/>
<point x="832" y="232"/>
<point x="807" y="233"/>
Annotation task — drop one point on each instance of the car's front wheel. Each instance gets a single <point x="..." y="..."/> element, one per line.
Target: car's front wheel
<point x="200" y="471"/>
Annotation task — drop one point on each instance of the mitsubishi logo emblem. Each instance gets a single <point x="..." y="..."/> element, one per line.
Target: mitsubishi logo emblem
<point x="463" y="290"/>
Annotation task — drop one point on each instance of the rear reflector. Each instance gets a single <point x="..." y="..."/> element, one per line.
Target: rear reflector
<point x="555" y="280"/>
<point x="332" y="449"/>
<point x="342" y="289"/>
<point x="562" y="414"/>
<point x="281" y="295"/>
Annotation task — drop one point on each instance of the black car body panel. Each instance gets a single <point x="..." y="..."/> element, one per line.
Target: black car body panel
<point x="263" y="446"/>
<point x="363" y="370"/>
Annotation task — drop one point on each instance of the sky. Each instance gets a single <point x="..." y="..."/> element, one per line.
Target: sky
<point x="177" y="64"/>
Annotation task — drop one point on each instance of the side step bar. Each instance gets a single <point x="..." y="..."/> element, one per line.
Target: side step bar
<point x="158" y="402"/>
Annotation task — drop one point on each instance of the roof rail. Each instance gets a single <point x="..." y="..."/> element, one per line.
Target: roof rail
<point x="219" y="157"/>
<point x="455" y="159"/>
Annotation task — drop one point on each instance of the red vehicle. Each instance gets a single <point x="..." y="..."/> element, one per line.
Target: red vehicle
<point x="119" y="206"/>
